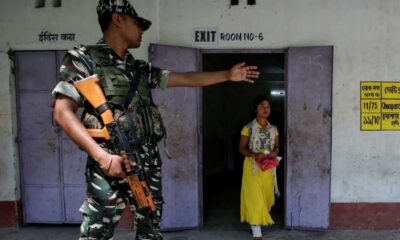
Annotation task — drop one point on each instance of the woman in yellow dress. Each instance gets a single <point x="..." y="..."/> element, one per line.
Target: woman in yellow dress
<point x="257" y="194"/>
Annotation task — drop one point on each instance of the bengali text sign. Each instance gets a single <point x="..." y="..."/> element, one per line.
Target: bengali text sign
<point x="380" y="106"/>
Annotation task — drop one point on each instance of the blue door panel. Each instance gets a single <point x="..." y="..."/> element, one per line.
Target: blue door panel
<point x="181" y="175"/>
<point x="52" y="167"/>
<point x="309" y="137"/>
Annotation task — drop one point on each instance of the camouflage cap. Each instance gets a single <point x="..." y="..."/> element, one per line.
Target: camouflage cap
<point x="124" y="7"/>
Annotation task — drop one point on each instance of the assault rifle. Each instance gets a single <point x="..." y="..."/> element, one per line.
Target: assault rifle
<point x="113" y="132"/>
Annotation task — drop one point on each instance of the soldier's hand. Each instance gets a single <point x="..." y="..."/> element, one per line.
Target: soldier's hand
<point x="113" y="167"/>
<point x="241" y="72"/>
<point x="128" y="164"/>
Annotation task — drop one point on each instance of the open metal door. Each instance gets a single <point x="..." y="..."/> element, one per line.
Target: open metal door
<point x="309" y="137"/>
<point x="181" y="175"/>
<point x="52" y="166"/>
<point x="42" y="199"/>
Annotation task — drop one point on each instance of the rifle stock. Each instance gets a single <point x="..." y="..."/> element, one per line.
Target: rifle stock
<point x="99" y="133"/>
<point x="92" y="92"/>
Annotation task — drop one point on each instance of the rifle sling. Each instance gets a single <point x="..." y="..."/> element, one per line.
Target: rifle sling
<point x="107" y="105"/>
<point x="103" y="107"/>
<point x="132" y="88"/>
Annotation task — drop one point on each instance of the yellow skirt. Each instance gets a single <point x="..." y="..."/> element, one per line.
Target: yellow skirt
<point x="257" y="195"/>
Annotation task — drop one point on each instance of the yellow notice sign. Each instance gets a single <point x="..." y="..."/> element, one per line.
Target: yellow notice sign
<point x="390" y="105"/>
<point x="390" y="121"/>
<point x="370" y="106"/>
<point x="371" y="90"/>
<point x="380" y="106"/>
<point x="370" y="121"/>
<point x="390" y="114"/>
<point x="391" y="90"/>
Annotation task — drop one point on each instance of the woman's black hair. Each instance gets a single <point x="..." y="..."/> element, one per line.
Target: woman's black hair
<point x="259" y="100"/>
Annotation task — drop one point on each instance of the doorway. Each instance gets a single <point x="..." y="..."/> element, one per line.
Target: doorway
<point x="307" y="136"/>
<point x="226" y="109"/>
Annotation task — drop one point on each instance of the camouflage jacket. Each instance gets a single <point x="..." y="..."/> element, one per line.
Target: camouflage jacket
<point x="115" y="76"/>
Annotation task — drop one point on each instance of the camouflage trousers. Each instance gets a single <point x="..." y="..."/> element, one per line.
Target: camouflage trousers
<point x="106" y="199"/>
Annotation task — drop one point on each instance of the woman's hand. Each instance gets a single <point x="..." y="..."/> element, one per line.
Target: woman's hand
<point x="258" y="156"/>
<point x="272" y="154"/>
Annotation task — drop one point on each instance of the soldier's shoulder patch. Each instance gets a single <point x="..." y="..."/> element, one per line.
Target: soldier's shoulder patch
<point x="78" y="51"/>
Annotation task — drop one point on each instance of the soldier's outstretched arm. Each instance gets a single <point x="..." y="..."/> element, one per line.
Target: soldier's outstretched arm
<point x="65" y="115"/>
<point x="239" y="72"/>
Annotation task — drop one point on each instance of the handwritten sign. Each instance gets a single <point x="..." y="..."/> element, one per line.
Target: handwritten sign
<point x="380" y="106"/>
<point x="51" y="37"/>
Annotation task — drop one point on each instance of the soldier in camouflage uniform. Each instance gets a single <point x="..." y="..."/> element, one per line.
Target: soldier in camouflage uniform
<point x="107" y="188"/>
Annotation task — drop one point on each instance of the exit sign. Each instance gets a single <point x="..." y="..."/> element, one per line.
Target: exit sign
<point x="205" y="36"/>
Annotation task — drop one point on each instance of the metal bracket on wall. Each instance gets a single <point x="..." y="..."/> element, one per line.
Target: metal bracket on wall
<point x="234" y="2"/>
<point x="56" y="3"/>
<point x="251" y="2"/>
<point x="42" y="3"/>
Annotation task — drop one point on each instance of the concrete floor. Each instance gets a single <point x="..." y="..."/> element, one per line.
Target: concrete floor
<point x="211" y="233"/>
<point x="221" y="222"/>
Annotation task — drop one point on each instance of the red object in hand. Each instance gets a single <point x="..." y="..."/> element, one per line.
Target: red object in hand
<point x="267" y="163"/>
